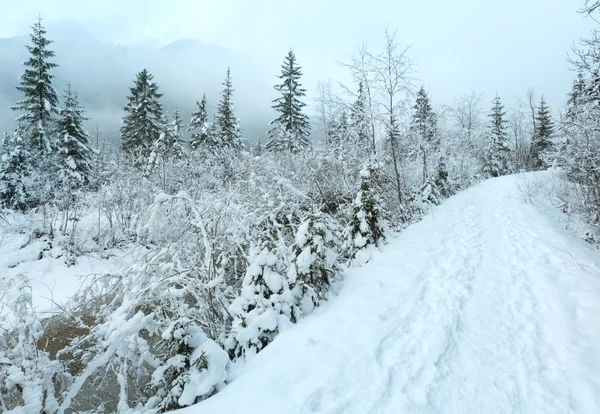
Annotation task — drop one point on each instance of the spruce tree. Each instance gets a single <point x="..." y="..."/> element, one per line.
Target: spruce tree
<point x="258" y="148"/>
<point x="366" y="226"/>
<point x="291" y="128"/>
<point x="16" y="172"/>
<point x="228" y="124"/>
<point x="424" y="121"/>
<point x="175" y="144"/>
<point x="200" y="127"/>
<point x="359" y="120"/>
<point x="497" y="159"/>
<point x="40" y="100"/>
<point x="424" y="128"/>
<point x="142" y="123"/>
<point x="576" y="96"/>
<point x="75" y="155"/>
<point x="542" y="141"/>
<point x="168" y="146"/>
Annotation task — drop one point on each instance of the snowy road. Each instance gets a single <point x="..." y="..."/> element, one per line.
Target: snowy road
<point x="486" y="306"/>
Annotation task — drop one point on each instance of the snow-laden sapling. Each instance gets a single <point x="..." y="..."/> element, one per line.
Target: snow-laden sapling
<point x="367" y="227"/>
<point x="264" y="307"/>
<point x="314" y="260"/>
<point x="430" y="194"/>
<point x="193" y="366"/>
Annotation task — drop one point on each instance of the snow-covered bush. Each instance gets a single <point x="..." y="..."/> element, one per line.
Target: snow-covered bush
<point x="429" y="194"/>
<point x="149" y="338"/>
<point x="30" y="381"/>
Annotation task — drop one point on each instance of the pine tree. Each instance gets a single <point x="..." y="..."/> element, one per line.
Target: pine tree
<point x="228" y="124"/>
<point x="40" y="101"/>
<point x="142" y="124"/>
<point x="359" y="120"/>
<point x="75" y="155"/>
<point x="542" y="141"/>
<point x="200" y="128"/>
<point x="16" y="172"/>
<point x="424" y="128"/>
<point x="291" y="128"/>
<point x="497" y="158"/>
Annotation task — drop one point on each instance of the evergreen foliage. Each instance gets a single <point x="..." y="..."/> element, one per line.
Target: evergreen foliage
<point x="424" y="122"/>
<point x="291" y="128"/>
<point x="498" y="153"/>
<point x="142" y="123"/>
<point x="75" y="155"/>
<point x="359" y="120"/>
<point x="40" y="102"/>
<point x="265" y="305"/>
<point x="314" y="259"/>
<point x="230" y="135"/>
<point x="423" y="129"/>
<point x="542" y="140"/>
<point x="16" y="173"/>
<point x="200" y="127"/>
<point x="367" y="226"/>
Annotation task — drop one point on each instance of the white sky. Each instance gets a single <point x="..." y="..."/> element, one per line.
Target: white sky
<point x="505" y="46"/>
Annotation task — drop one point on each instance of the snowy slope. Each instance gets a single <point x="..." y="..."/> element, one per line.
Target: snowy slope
<point x="486" y="306"/>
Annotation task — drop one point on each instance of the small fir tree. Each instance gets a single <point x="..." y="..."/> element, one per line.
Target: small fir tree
<point x="265" y="305"/>
<point x="313" y="260"/>
<point x="366" y="226"/>
<point x="200" y="127"/>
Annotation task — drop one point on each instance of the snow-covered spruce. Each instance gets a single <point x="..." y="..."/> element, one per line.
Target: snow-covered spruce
<point x="291" y="128"/>
<point x="192" y="365"/>
<point x="367" y="227"/>
<point x="314" y="260"/>
<point x="266" y="305"/>
<point x="75" y="155"/>
<point x="498" y="161"/>
<point x="16" y="173"/>
<point x="144" y="119"/>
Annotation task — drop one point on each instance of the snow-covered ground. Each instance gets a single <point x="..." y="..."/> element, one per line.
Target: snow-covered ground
<point x="54" y="274"/>
<point x="486" y="306"/>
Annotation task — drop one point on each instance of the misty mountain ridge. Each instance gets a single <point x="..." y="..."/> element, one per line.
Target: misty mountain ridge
<point x="102" y="74"/>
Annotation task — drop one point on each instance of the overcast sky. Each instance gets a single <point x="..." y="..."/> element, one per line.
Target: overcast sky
<point x="505" y="46"/>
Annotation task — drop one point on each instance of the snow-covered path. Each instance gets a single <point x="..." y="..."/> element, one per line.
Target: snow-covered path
<point x="486" y="306"/>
